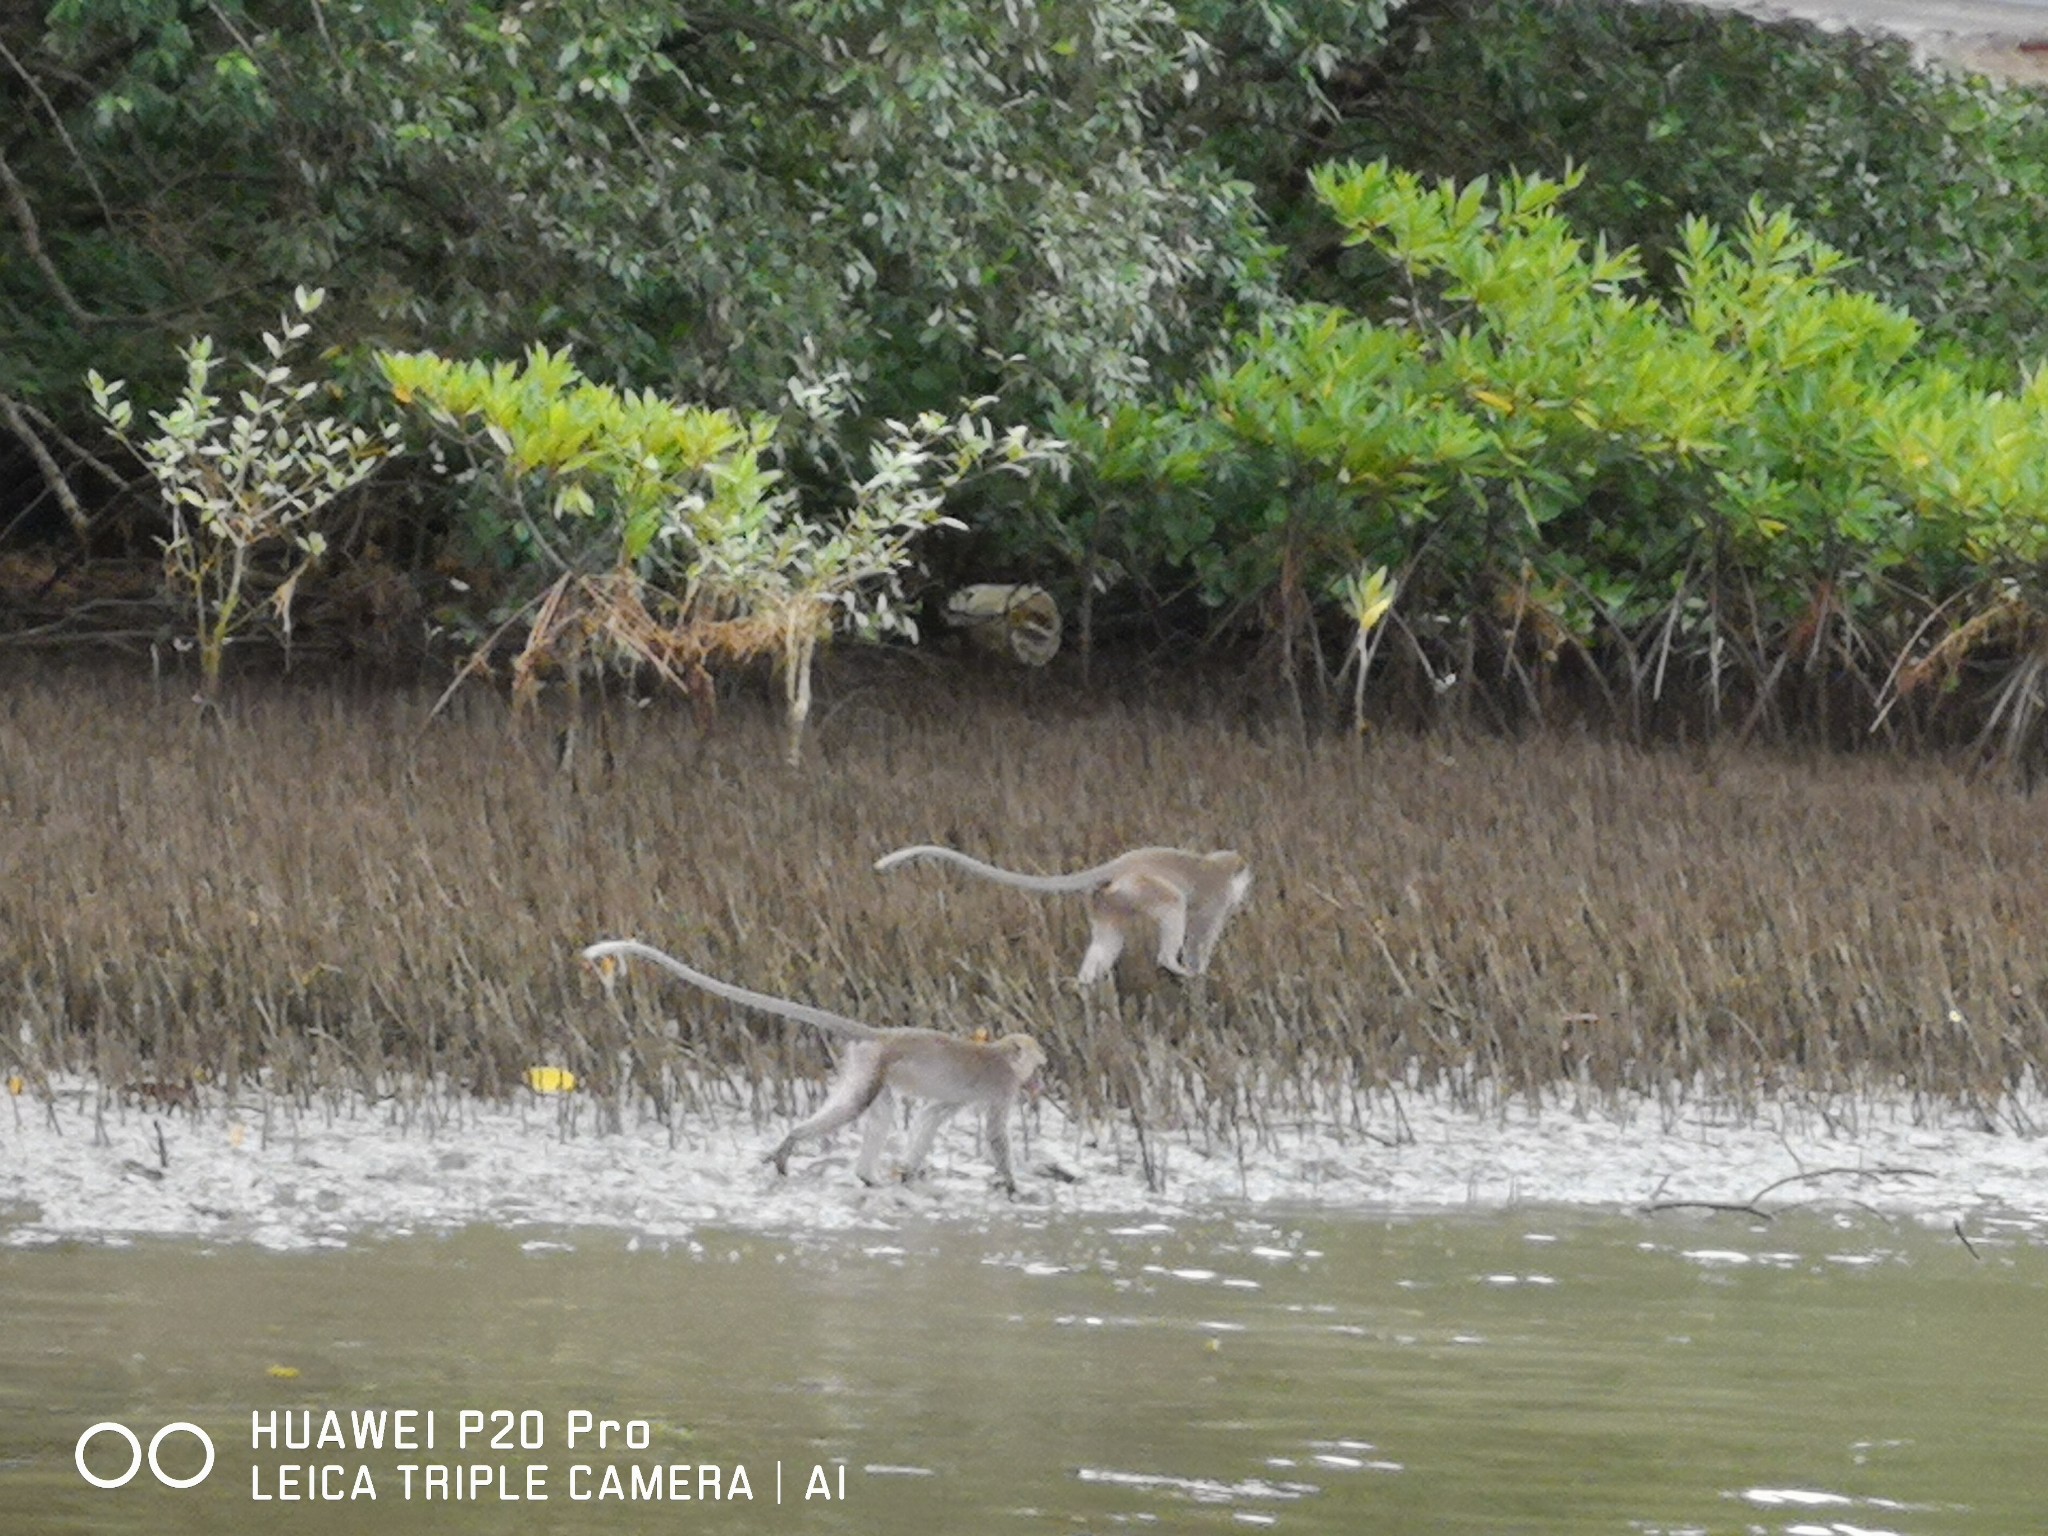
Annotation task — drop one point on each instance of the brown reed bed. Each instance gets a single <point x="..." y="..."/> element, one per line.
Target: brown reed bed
<point x="335" y="893"/>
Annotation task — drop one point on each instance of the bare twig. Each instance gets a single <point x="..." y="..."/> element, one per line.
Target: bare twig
<point x="52" y="472"/>
<point x="57" y="122"/>
<point x="32" y="242"/>
<point x="84" y="455"/>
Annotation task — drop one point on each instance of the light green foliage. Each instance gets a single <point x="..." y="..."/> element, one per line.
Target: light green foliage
<point x="243" y="484"/>
<point x="1367" y="595"/>
<point x="669" y="542"/>
<point x="639" y="468"/>
<point x="1766" y="470"/>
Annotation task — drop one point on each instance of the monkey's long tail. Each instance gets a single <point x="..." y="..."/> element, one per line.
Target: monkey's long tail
<point x="1085" y="880"/>
<point x="831" y="1023"/>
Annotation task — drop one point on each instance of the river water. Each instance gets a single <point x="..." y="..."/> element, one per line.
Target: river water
<point x="1522" y="1372"/>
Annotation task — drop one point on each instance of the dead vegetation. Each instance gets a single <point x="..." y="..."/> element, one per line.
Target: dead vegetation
<point x="333" y="892"/>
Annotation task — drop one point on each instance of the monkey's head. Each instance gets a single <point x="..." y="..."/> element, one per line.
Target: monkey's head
<point x="1240" y="873"/>
<point x="1026" y="1055"/>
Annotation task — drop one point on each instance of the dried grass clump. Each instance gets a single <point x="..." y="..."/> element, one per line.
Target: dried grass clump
<point x="336" y="894"/>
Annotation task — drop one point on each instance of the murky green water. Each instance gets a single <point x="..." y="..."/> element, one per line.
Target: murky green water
<point x="1525" y="1373"/>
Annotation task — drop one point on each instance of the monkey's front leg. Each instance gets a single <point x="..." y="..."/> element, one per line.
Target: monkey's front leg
<point x="1170" y="912"/>
<point x="997" y="1123"/>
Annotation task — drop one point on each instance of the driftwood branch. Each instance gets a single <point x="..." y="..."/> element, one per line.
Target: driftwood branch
<point x="1753" y="1206"/>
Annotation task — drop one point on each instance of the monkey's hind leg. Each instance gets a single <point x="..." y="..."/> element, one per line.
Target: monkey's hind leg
<point x="924" y="1128"/>
<point x="1169" y="907"/>
<point x="860" y="1083"/>
<point x="874" y="1136"/>
<point x="1111" y="915"/>
<point x="1121" y="911"/>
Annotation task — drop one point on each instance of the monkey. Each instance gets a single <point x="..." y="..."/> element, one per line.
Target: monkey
<point x="946" y="1072"/>
<point x="1188" y="896"/>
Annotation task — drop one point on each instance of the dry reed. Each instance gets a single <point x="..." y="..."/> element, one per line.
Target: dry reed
<point x="333" y="893"/>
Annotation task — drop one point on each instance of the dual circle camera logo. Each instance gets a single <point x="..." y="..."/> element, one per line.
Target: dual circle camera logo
<point x="136" y="1456"/>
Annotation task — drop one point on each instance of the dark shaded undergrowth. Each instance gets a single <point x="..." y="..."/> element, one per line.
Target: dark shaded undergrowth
<point x="334" y="893"/>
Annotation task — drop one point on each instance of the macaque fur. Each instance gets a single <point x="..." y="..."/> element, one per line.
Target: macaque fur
<point x="945" y="1072"/>
<point x="1188" y="897"/>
